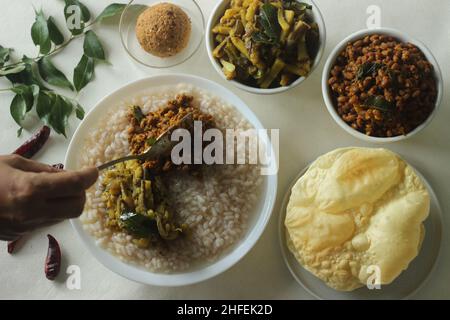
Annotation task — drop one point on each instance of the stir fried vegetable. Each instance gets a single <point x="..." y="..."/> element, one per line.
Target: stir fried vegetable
<point x="135" y="202"/>
<point x="266" y="44"/>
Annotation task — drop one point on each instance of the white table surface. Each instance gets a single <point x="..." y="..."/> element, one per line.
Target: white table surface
<point x="307" y="131"/>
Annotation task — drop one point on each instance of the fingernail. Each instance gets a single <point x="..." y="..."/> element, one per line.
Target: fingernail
<point x="58" y="167"/>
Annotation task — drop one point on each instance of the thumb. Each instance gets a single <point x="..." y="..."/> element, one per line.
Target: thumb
<point x="89" y="176"/>
<point x="66" y="183"/>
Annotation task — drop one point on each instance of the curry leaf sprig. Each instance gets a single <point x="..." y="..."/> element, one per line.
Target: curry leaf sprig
<point x="30" y="77"/>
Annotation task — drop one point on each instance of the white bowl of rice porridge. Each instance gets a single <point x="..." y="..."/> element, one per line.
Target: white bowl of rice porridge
<point x="225" y="209"/>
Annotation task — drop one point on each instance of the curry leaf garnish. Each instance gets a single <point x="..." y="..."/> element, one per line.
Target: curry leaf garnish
<point x="312" y="39"/>
<point x="378" y="102"/>
<point x="300" y="7"/>
<point x="393" y="78"/>
<point x="263" y="38"/>
<point x="269" y="22"/>
<point x="368" y="69"/>
<point x="137" y="113"/>
<point x="151" y="141"/>
<point x="304" y="6"/>
<point x="138" y="224"/>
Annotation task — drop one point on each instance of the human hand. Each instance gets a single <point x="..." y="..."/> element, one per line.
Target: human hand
<point x="34" y="195"/>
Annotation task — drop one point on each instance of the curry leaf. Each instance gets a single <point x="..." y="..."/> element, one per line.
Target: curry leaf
<point x="111" y="11"/>
<point x="28" y="75"/>
<point x="40" y="33"/>
<point x="393" y="77"/>
<point x="92" y="46"/>
<point x="59" y="115"/>
<point x="44" y="105"/>
<point x="28" y="94"/>
<point x="83" y="72"/>
<point x="55" y="34"/>
<point x="269" y="21"/>
<point x="151" y="141"/>
<point x="52" y="75"/>
<point x="76" y="15"/>
<point x="379" y="103"/>
<point x="74" y="26"/>
<point x="305" y="6"/>
<point x="263" y="38"/>
<point x="12" y="70"/>
<point x="137" y="113"/>
<point x="18" y="109"/>
<point x="312" y="38"/>
<point x="79" y="111"/>
<point x="299" y="7"/>
<point x="115" y="9"/>
<point x="35" y="89"/>
<point x="4" y="55"/>
<point x="138" y="224"/>
<point x="368" y="69"/>
<point x="85" y="14"/>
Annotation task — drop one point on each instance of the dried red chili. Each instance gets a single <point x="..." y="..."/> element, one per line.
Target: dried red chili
<point x="53" y="260"/>
<point x="30" y="147"/>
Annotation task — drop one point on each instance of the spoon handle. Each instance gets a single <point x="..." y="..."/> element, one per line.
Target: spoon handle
<point x="113" y="162"/>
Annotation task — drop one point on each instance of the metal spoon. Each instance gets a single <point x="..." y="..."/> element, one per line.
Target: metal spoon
<point x="163" y="145"/>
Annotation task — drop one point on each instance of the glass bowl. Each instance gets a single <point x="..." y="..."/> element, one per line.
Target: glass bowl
<point x="131" y="44"/>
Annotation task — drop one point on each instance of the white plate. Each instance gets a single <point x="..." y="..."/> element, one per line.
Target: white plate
<point x="409" y="281"/>
<point x="256" y="224"/>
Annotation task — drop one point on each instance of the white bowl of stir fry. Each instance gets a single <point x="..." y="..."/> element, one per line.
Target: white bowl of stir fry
<point x="265" y="47"/>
